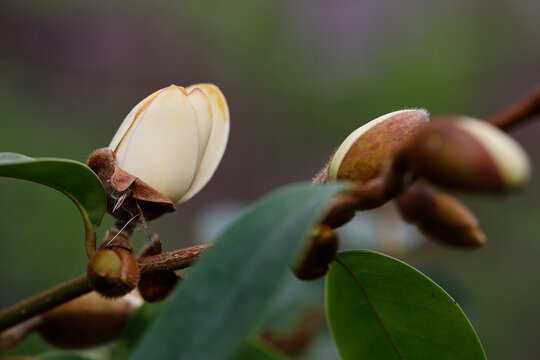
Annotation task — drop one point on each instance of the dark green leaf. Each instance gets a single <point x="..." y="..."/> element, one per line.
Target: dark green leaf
<point x="134" y="329"/>
<point x="226" y="293"/>
<point x="70" y="177"/>
<point x="257" y="350"/>
<point x="61" y="356"/>
<point x="381" y="308"/>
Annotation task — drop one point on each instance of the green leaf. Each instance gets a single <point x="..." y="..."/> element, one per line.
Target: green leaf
<point x="134" y="330"/>
<point x="61" y="356"/>
<point x="226" y="293"/>
<point x="257" y="349"/>
<point x="381" y="308"/>
<point x="72" y="178"/>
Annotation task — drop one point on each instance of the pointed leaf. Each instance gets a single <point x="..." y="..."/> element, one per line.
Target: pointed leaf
<point x="72" y="178"/>
<point x="381" y="308"/>
<point x="228" y="290"/>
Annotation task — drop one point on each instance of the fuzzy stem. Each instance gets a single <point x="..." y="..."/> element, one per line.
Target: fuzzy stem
<point x="174" y="260"/>
<point x="524" y="109"/>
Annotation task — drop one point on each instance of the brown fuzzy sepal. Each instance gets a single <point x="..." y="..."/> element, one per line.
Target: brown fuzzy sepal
<point x="128" y="196"/>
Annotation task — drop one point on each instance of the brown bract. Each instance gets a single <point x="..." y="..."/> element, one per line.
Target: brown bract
<point x="366" y="156"/>
<point x="440" y="216"/>
<point x="313" y="262"/>
<point x="113" y="271"/>
<point x="158" y="285"/>
<point x="128" y="197"/>
<point x="449" y="156"/>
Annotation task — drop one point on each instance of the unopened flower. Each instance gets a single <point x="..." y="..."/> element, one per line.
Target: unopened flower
<point x="174" y="139"/>
<point x="362" y="155"/>
<point x="165" y="151"/>
<point x="314" y="260"/>
<point x="158" y="285"/>
<point x="440" y="216"/>
<point x="468" y="154"/>
<point x="113" y="272"/>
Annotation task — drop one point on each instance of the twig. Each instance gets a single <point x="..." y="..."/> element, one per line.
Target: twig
<point x="524" y="109"/>
<point x="44" y="301"/>
<point x="174" y="260"/>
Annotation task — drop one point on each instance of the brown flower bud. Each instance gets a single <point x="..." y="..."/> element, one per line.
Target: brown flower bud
<point x="87" y="321"/>
<point x="127" y="195"/>
<point x="313" y="262"/>
<point x="365" y="151"/>
<point x="440" y="216"/>
<point x="113" y="272"/>
<point x="157" y="286"/>
<point x="468" y="154"/>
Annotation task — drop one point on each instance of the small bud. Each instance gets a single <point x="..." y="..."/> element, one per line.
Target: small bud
<point x="87" y="321"/>
<point x="440" y="216"/>
<point x="113" y="272"/>
<point x="174" y="139"/>
<point x="365" y="151"/>
<point x="468" y="154"/>
<point x="318" y="254"/>
<point x="156" y="286"/>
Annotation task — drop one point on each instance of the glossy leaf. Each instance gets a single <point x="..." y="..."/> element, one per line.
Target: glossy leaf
<point x="258" y="350"/>
<point x="72" y="178"/>
<point x="226" y="293"/>
<point x="381" y="308"/>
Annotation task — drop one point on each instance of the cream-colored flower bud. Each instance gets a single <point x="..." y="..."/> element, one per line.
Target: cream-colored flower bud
<point x="464" y="153"/>
<point x="362" y="155"/>
<point x="174" y="139"/>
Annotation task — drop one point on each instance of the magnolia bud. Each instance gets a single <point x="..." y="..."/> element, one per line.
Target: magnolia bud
<point x="174" y="139"/>
<point x="87" y="321"/>
<point x="468" y="154"/>
<point x="440" y="216"/>
<point x="158" y="285"/>
<point x="362" y="155"/>
<point x="318" y="254"/>
<point x="113" y="272"/>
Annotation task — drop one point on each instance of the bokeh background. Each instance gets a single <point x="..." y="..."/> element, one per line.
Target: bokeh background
<point x="298" y="76"/>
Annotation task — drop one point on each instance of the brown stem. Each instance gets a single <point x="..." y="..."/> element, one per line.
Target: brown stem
<point x="369" y="195"/>
<point x="44" y="301"/>
<point x="174" y="260"/>
<point x="524" y="109"/>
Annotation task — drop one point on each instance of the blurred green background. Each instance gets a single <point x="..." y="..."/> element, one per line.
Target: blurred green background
<point x="298" y="76"/>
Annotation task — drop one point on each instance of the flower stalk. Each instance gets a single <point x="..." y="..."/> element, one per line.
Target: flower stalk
<point x="386" y="184"/>
<point x="173" y="260"/>
<point x="522" y="110"/>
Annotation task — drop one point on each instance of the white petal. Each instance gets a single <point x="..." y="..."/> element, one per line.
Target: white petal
<point x="126" y="128"/>
<point x="203" y="110"/>
<point x="163" y="148"/>
<point x="218" y="138"/>
<point x="510" y="157"/>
